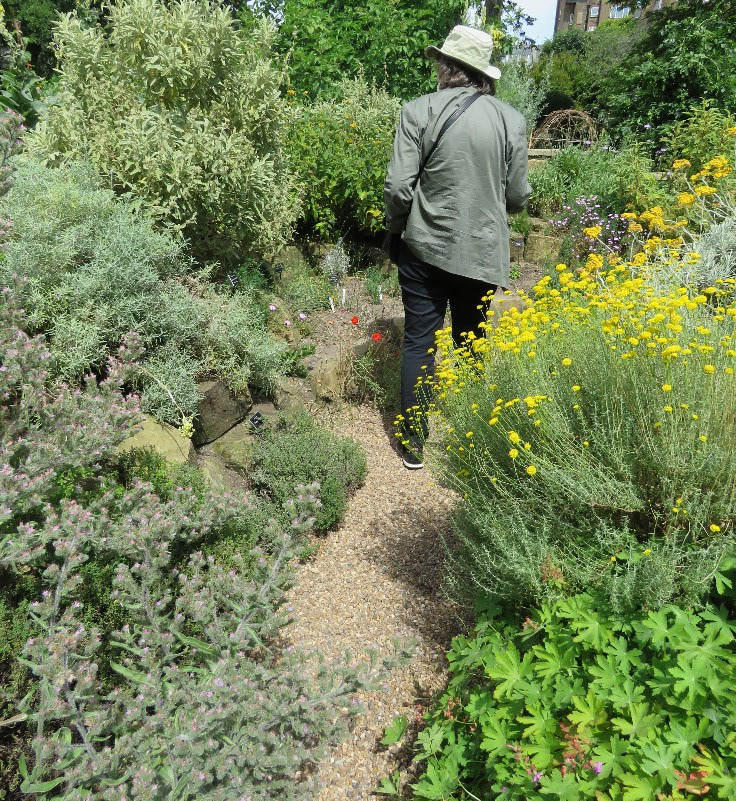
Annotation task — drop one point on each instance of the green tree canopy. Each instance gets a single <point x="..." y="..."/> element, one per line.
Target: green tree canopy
<point x="685" y="55"/>
<point x="331" y="39"/>
<point x="382" y="40"/>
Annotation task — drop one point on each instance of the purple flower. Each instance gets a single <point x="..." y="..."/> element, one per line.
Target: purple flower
<point x="272" y="307"/>
<point x="287" y="323"/>
<point x="302" y="316"/>
<point x="598" y="767"/>
<point x="537" y="776"/>
<point x="647" y="127"/>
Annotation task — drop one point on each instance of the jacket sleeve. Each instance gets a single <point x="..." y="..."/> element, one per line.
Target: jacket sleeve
<point x="398" y="190"/>
<point x="518" y="190"/>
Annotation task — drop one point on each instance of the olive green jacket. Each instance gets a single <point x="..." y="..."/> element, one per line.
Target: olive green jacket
<point x="455" y="216"/>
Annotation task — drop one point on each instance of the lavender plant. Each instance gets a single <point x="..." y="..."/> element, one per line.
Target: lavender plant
<point x="582" y="217"/>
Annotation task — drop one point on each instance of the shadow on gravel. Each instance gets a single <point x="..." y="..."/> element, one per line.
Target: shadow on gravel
<point x="406" y="546"/>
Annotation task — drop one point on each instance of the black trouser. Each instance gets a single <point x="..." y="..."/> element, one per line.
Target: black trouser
<point x="426" y="291"/>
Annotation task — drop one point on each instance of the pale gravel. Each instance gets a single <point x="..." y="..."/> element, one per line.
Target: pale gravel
<point x="377" y="577"/>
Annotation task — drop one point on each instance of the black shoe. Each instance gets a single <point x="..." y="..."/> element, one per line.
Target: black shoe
<point x="412" y="457"/>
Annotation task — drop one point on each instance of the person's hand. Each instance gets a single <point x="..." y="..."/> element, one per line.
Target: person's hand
<point x="393" y="246"/>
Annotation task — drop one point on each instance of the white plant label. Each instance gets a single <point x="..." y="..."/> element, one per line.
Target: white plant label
<point x="332" y="303"/>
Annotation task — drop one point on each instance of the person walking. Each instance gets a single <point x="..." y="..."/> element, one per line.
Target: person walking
<point x="459" y="166"/>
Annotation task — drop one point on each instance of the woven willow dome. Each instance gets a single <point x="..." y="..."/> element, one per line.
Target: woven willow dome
<point x="564" y="128"/>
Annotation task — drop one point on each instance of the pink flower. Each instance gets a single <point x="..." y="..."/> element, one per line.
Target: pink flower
<point x="302" y="316"/>
<point x="272" y="307"/>
<point x="598" y="767"/>
<point x="287" y="323"/>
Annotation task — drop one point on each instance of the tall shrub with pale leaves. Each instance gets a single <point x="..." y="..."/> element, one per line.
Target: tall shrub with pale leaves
<point x="179" y="104"/>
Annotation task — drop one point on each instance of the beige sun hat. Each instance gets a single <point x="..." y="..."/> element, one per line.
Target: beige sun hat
<point x="470" y="47"/>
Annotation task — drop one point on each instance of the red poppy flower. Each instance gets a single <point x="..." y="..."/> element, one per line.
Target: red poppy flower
<point x="354" y="319"/>
<point x="376" y="337"/>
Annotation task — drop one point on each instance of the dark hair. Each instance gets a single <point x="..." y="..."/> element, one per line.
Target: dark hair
<point x="451" y="74"/>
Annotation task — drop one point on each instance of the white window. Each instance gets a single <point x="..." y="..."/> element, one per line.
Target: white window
<point x="619" y="12"/>
<point x="594" y="11"/>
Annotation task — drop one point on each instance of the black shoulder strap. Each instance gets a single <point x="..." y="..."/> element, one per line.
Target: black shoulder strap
<point x="448" y="122"/>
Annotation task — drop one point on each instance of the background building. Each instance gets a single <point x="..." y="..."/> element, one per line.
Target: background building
<point x="587" y="16"/>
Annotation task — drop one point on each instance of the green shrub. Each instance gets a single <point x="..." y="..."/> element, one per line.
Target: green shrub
<point x="701" y="134"/>
<point x="380" y="282"/>
<point x="580" y="704"/>
<point x="169" y="389"/>
<point x="96" y="268"/>
<point x="179" y="104"/>
<point x="376" y="375"/>
<point x="590" y="438"/>
<point x="341" y="148"/>
<point x="620" y="180"/>
<point x="305" y="290"/>
<point x="683" y="56"/>
<point x="518" y="87"/>
<point x="298" y="450"/>
<point x="717" y="248"/>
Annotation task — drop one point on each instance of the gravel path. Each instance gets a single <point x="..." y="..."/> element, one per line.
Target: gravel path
<point x="373" y="579"/>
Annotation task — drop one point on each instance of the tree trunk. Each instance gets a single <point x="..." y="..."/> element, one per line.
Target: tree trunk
<point x="493" y="10"/>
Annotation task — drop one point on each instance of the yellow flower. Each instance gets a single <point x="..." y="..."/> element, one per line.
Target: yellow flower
<point x="531" y="470"/>
<point x="566" y="362"/>
<point x="666" y="387"/>
<point x="714" y="528"/>
<point x="667" y="408"/>
<point x="709" y="368"/>
<point x="705" y="190"/>
<point x="613" y="558"/>
<point x="703" y="437"/>
<point x="513" y="453"/>
<point x="680" y="163"/>
<point x="647" y="551"/>
<point x="593" y="232"/>
<point x="732" y="130"/>
<point x="686" y="199"/>
<point x="514" y="437"/>
<point x="575" y="387"/>
<point x="594" y="262"/>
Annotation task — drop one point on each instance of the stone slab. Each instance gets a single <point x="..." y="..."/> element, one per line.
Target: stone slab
<point x="165" y="440"/>
<point x="219" y="410"/>
<point x="236" y="448"/>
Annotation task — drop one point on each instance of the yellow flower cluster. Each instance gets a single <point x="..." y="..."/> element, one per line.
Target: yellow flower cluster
<point x="716" y="168"/>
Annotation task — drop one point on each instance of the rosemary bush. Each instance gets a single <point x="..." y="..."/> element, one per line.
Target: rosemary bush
<point x="96" y="267"/>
